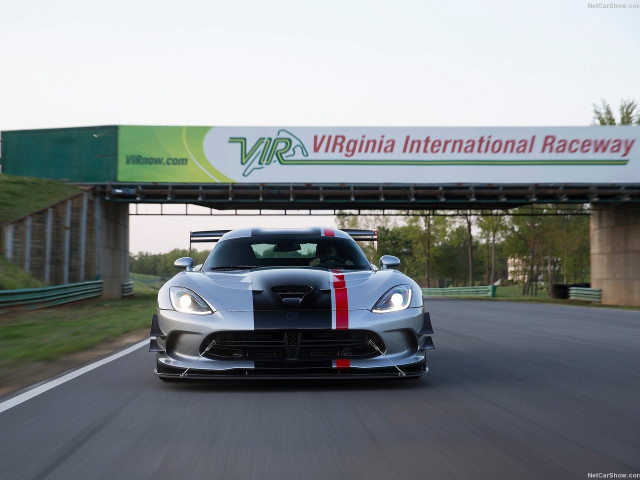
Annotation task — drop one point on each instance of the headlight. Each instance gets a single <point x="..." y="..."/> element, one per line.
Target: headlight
<point x="186" y="301"/>
<point x="396" y="298"/>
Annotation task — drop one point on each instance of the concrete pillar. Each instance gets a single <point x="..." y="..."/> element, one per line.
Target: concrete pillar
<point x="615" y="253"/>
<point x="112" y="245"/>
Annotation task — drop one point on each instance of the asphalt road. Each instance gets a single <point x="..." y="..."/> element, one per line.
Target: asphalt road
<point x="515" y="391"/>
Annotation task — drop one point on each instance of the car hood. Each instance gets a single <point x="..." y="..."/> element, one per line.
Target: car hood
<point x="297" y="288"/>
<point x="268" y="288"/>
<point x="261" y="279"/>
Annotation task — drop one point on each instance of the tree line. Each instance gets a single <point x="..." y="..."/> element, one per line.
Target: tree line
<point x="470" y="247"/>
<point x="161" y="264"/>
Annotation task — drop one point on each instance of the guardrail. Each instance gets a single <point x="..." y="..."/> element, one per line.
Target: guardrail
<point x="50" y="296"/>
<point x="127" y="289"/>
<point x="482" y="291"/>
<point x="585" y="294"/>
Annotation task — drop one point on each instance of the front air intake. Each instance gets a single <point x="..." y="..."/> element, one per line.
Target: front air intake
<point x="292" y="345"/>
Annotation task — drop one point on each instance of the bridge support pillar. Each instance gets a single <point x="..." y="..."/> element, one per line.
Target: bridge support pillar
<point x="615" y="254"/>
<point x="112" y="245"/>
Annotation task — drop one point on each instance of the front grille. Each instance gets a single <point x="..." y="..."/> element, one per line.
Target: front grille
<point x="292" y="345"/>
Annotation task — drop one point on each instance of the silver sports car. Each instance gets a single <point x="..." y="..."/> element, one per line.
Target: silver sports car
<point x="289" y="303"/>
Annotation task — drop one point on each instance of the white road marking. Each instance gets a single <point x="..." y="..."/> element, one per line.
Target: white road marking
<point x="23" y="397"/>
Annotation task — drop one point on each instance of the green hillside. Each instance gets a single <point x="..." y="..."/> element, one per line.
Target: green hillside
<point x="12" y="276"/>
<point x="20" y="196"/>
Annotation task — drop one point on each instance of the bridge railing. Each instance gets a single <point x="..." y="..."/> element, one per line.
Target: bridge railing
<point x="481" y="291"/>
<point x="50" y="296"/>
<point x="585" y="294"/>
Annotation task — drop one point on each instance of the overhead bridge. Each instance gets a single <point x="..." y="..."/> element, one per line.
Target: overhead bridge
<point x="391" y="169"/>
<point x="366" y="197"/>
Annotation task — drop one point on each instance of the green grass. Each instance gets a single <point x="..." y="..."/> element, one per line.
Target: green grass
<point x="20" y="196"/>
<point x="12" y="276"/>
<point x="145" y="283"/>
<point x="30" y="336"/>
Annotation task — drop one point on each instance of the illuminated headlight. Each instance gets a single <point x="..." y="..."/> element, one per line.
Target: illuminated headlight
<point x="396" y="298"/>
<point x="186" y="301"/>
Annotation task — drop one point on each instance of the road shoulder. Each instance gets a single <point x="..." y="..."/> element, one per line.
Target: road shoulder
<point x="35" y="373"/>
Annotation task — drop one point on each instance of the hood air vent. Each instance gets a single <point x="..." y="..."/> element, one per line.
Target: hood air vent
<point x="298" y="292"/>
<point x="292" y="296"/>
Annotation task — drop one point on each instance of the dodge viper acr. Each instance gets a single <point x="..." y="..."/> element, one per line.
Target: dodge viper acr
<point x="289" y="303"/>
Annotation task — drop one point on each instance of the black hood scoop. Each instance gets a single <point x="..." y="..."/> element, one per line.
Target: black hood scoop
<point x="292" y="296"/>
<point x="296" y="291"/>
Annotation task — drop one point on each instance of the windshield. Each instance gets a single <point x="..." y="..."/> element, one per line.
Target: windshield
<point x="311" y="251"/>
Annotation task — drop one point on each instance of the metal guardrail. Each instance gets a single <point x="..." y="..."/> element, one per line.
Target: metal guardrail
<point x="50" y="296"/>
<point x="585" y="294"/>
<point x="127" y="289"/>
<point x="482" y="291"/>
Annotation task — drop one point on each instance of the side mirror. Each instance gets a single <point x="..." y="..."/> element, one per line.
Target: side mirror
<point x="184" y="263"/>
<point x="389" y="261"/>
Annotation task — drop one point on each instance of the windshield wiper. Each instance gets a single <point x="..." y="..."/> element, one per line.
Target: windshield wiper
<point x="235" y="267"/>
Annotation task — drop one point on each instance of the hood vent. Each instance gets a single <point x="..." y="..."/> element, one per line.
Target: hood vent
<point x="292" y="296"/>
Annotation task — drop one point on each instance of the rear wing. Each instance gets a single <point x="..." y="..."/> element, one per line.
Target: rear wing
<point x="207" y="236"/>
<point x="212" y="236"/>
<point x="362" y="235"/>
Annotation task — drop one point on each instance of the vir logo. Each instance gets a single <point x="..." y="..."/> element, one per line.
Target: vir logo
<point x="284" y="146"/>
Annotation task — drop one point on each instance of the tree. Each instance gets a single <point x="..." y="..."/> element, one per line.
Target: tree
<point x="469" y="217"/>
<point x="432" y="232"/>
<point x="368" y="221"/>
<point x="523" y="244"/>
<point x="629" y="113"/>
<point x="494" y="227"/>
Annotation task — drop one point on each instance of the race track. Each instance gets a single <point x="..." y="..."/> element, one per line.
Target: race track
<point x="515" y="391"/>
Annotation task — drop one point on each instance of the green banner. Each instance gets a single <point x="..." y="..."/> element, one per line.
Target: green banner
<point x="165" y="154"/>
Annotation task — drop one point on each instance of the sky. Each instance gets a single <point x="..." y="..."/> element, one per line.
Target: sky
<point x="309" y="63"/>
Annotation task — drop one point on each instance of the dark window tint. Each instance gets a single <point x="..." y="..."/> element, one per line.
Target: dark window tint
<point x="288" y="251"/>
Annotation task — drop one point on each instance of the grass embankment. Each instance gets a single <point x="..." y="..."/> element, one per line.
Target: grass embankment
<point x="35" y="338"/>
<point x="12" y="276"/>
<point x="30" y="336"/>
<point x="21" y="196"/>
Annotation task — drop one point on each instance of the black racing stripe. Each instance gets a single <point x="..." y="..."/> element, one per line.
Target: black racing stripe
<point x="271" y="311"/>
<point x="291" y="319"/>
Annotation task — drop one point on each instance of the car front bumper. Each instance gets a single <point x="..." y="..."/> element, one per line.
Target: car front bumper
<point x="181" y="340"/>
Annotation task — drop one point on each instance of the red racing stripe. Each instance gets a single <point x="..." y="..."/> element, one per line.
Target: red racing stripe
<point x="342" y="302"/>
<point x="342" y="363"/>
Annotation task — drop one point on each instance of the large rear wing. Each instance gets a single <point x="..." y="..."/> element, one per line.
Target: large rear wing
<point x="362" y="235"/>
<point x="207" y="236"/>
<point x="212" y="236"/>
